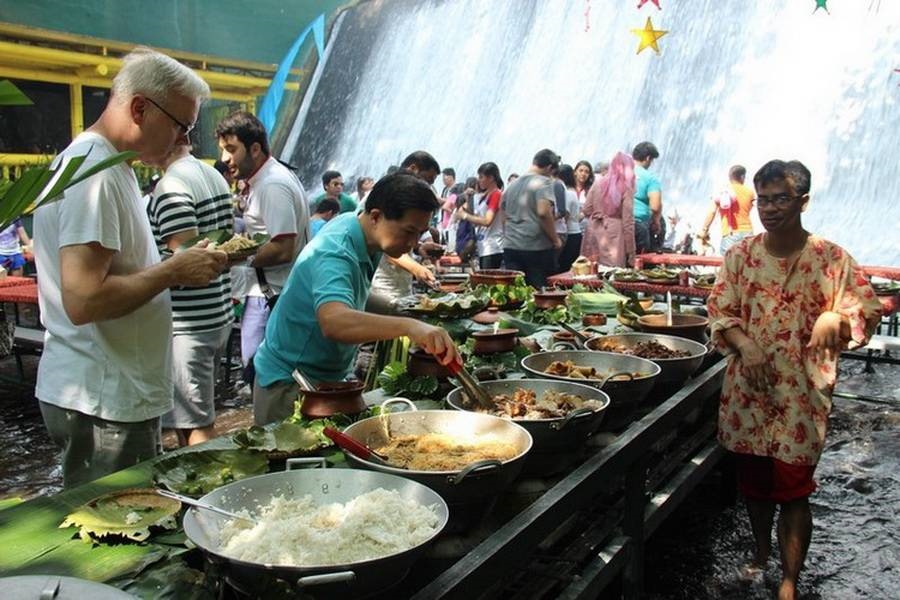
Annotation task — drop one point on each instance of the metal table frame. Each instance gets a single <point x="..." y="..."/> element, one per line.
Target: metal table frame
<point x="475" y="574"/>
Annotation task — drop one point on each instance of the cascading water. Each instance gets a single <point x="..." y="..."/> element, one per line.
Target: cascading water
<point x="737" y="82"/>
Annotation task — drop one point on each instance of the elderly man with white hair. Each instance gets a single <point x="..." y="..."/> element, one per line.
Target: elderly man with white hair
<point x="105" y="376"/>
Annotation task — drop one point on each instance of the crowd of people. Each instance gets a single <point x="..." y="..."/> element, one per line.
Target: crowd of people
<point x="136" y="317"/>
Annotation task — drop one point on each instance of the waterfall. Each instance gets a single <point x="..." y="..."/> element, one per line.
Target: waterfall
<point x="736" y="82"/>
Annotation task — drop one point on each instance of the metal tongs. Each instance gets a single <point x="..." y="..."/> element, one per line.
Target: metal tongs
<point x="470" y="384"/>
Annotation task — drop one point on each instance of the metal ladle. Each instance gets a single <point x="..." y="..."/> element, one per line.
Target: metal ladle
<point x="302" y="381"/>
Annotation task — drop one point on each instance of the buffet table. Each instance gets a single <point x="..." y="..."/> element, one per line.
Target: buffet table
<point x="611" y="501"/>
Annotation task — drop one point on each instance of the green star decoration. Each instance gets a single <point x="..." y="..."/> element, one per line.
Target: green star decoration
<point x="821" y="4"/>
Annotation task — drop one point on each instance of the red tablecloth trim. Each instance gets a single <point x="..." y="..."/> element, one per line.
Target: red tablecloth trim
<point x="688" y="260"/>
<point x="23" y="294"/>
<point x="12" y="281"/>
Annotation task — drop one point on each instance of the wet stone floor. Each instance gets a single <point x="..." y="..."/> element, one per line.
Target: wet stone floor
<point x="696" y="554"/>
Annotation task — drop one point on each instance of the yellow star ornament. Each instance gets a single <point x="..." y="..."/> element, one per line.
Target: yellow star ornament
<point x="648" y="36"/>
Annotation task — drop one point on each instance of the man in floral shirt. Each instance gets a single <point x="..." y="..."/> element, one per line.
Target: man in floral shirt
<point x="786" y="302"/>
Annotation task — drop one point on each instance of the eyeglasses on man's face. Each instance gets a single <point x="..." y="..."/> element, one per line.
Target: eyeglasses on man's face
<point x="777" y="200"/>
<point x="185" y="129"/>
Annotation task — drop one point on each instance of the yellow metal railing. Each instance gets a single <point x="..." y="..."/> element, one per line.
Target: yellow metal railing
<point x="12" y="165"/>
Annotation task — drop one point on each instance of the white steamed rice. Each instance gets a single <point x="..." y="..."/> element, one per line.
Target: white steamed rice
<point x="296" y="532"/>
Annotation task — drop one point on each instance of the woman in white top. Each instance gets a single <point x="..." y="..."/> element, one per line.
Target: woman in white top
<point x="572" y="247"/>
<point x="487" y="217"/>
<point x="584" y="179"/>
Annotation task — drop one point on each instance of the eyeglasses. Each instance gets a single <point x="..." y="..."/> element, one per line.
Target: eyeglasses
<point x="779" y="200"/>
<point x="185" y="129"/>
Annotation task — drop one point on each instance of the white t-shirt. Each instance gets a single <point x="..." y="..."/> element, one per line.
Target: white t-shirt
<point x="276" y="206"/>
<point x="573" y="207"/>
<point x="120" y="369"/>
<point x="489" y="239"/>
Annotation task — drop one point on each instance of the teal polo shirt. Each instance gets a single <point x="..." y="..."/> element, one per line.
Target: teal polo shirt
<point x="347" y="203"/>
<point x="645" y="182"/>
<point x="334" y="267"/>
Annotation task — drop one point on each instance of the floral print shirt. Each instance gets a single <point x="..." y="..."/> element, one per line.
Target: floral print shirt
<point x="776" y="305"/>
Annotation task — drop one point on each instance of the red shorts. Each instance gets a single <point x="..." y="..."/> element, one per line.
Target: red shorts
<point x="769" y="479"/>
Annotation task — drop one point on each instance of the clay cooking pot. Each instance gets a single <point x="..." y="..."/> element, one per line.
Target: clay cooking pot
<point x="488" y="342"/>
<point x="330" y="398"/>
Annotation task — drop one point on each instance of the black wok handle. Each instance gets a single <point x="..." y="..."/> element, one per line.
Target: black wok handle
<point x="578" y="413"/>
<point x="628" y="374"/>
<point x="479" y="466"/>
<point x="325" y="578"/>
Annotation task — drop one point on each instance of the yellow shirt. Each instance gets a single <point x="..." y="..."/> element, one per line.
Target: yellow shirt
<point x="744" y="198"/>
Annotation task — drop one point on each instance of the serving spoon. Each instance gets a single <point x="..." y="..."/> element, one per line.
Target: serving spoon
<point x="204" y="505"/>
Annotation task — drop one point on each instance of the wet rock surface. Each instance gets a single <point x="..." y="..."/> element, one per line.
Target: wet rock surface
<point x="856" y="535"/>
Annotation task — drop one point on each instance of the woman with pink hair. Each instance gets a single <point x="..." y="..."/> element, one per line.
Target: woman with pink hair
<point x="609" y="208"/>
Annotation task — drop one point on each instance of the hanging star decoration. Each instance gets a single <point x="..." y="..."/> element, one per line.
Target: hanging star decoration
<point x="821" y="4"/>
<point x="641" y="4"/>
<point x="648" y="36"/>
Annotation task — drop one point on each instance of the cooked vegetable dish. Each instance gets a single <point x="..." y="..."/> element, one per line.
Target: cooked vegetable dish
<point x="441" y="452"/>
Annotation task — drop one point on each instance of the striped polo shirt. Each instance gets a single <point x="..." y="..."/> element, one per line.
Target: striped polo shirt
<point x="193" y="195"/>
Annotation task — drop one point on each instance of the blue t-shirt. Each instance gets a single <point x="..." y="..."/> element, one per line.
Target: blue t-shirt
<point x="645" y="182"/>
<point x="334" y="267"/>
<point x="315" y="225"/>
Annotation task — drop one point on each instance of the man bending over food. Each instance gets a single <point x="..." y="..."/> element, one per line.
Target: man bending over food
<point x="319" y="320"/>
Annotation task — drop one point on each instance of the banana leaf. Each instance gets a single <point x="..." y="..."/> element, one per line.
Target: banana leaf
<point x="172" y="579"/>
<point x="447" y="306"/>
<point x="125" y="514"/>
<point x="198" y="473"/>
<point x="284" y="437"/>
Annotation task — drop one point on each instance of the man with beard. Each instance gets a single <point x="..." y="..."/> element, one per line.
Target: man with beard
<point x="276" y="206"/>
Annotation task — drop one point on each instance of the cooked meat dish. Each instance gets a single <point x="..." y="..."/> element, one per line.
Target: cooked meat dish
<point x="649" y="349"/>
<point x="569" y="369"/>
<point x="524" y="404"/>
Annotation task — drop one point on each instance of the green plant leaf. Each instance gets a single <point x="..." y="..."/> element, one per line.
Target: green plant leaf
<point x="61" y="178"/>
<point x="30" y="189"/>
<point x="10" y="95"/>
<point x="104" y="164"/>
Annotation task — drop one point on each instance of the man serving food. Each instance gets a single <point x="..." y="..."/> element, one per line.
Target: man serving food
<point x="319" y="320"/>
